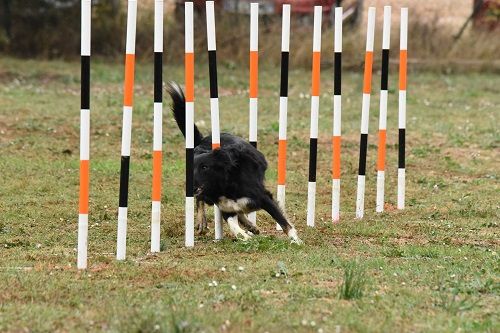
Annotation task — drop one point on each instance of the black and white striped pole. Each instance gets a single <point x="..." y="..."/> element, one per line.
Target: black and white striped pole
<point x="121" y="242"/>
<point x="403" y="40"/>
<point x="313" y="137"/>
<point x="337" y="115"/>
<point x="254" y="82"/>
<point x="365" y="113"/>
<point x="157" y="127"/>
<point x="189" y="78"/>
<point x="214" y="98"/>
<point x="283" y="107"/>
<point x="83" y="209"/>
<point x="382" y="124"/>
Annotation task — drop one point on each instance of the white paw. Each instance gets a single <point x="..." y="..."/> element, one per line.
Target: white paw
<point x="236" y="229"/>
<point x="244" y="236"/>
<point x="292" y="233"/>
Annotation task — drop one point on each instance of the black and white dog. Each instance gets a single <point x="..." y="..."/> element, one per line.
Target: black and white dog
<point x="231" y="177"/>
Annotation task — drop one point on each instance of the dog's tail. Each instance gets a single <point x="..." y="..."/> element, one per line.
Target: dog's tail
<point x="179" y="111"/>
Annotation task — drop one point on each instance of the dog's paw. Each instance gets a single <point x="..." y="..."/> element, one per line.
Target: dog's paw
<point x="202" y="232"/>
<point x="244" y="236"/>
<point x="202" y="229"/>
<point x="253" y="232"/>
<point x="292" y="233"/>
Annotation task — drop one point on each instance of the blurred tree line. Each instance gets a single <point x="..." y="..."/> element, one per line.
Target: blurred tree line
<point x="51" y="28"/>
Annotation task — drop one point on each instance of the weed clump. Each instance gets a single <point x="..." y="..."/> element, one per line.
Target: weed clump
<point x="354" y="284"/>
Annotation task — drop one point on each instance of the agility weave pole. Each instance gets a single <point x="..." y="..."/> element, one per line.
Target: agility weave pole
<point x="365" y="110"/>
<point x="254" y="82"/>
<point x="403" y="41"/>
<point x="253" y="96"/>
<point x="283" y="108"/>
<point x="214" y="98"/>
<point x="337" y="115"/>
<point x="382" y="125"/>
<point x="83" y="216"/>
<point x="128" y="92"/>
<point x="189" y="78"/>
<point x="157" y="127"/>
<point x="313" y="138"/>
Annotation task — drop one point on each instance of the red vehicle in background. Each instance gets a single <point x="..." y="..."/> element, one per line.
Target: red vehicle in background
<point x="352" y="8"/>
<point x="305" y="6"/>
<point x="486" y="14"/>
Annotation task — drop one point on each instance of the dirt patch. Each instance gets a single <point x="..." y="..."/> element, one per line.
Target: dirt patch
<point x="470" y="152"/>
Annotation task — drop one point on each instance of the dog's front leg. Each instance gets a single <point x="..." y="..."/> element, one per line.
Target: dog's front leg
<point x="235" y="227"/>
<point x="201" y="216"/>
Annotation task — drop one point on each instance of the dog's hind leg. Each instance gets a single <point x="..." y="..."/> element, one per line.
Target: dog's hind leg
<point x="247" y="224"/>
<point x="272" y="208"/>
<point x="201" y="217"/>
<point x="235" y="228"/>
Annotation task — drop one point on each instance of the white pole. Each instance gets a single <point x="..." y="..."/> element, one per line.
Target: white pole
<point x="254" y="82"/>
<point x="365" y="110"/>
<point x="83" y="216"/>
<point x="337" y="116"/>
<point x="313" y="137"/>
<point x="157" y="127"/>
<point x="285" y="49"/>
<point x="214" y="98"/>
<point x="189" y="73"/>
<point x="121" y="241"/>
<point x="382" y="125"/>
<point x="402" y="107"/>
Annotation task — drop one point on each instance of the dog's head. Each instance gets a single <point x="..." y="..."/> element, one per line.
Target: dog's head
<point x="211" y="171"/>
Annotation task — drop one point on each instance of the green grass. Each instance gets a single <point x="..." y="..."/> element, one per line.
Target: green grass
<point x="354" y="282"/>
<point x="430" y="268"/>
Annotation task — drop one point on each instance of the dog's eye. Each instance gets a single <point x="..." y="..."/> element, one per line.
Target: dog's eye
<point x="204" y="167"/>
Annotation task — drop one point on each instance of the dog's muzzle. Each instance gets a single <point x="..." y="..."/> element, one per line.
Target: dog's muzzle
<point x="198" y="191"/>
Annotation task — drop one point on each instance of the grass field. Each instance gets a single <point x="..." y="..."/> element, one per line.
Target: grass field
<point x="430" y="268"/>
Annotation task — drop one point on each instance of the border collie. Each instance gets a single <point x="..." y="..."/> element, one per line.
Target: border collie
<point x="231" y="177"/>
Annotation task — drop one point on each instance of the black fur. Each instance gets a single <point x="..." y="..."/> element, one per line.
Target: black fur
<point x="234" y="171"/>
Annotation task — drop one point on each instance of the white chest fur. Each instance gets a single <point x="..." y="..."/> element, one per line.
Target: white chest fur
<point x="233" y="206"/>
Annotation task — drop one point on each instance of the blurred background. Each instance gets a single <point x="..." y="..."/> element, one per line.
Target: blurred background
<point x="443" y="34"/>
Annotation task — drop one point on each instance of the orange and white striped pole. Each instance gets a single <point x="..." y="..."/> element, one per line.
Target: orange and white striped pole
<point x="254" y="81"/>
<point x="214" y="98"/>
<point x="157" y="127"/>
<point x="403" y="41"/>
<point x="189" y="77"/>
<point x="313" y="138"/>
<point x="83" y="216"/>
<point x="365" y="113"/>
<point x="337" y="115"/>
<point x="285" y="49"/>
<point x="121" y="241"/>
<point x="382" y="124"/>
